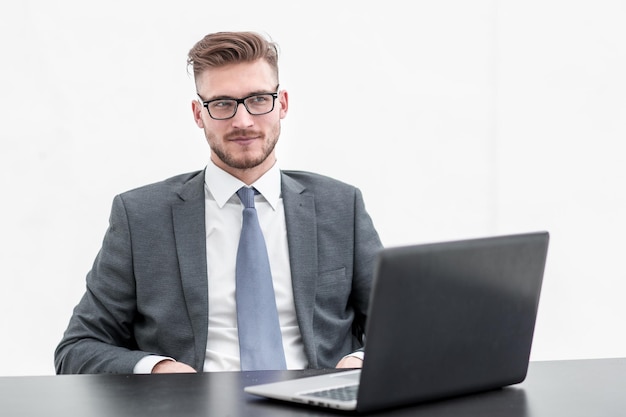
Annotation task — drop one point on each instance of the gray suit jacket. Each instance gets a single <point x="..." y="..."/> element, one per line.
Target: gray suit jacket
<point x="147" y="292"/>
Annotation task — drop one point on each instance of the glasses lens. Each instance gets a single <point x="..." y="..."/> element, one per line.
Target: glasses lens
<point x="222" y="109"/>
<point x="260" y="104"/>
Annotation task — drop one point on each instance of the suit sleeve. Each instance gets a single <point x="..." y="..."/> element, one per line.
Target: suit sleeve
<point x="99" y="337"/>
<point x="367" y="244"/>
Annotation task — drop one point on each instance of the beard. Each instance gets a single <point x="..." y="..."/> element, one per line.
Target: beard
<point x="244" y="160"/>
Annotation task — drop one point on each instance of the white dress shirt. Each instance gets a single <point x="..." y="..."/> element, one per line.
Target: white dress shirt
<point x="223" y="225"/>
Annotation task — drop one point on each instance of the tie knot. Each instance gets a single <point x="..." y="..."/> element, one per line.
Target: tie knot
<point x="246" y="195"/>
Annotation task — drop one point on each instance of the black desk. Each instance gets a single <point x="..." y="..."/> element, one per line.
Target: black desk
<point x="558" y="388"/>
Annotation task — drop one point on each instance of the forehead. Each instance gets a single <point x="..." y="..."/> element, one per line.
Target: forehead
<point x="236" y="79"/>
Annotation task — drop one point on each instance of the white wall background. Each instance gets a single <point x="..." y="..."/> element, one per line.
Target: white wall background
<point x="502" y="116"/>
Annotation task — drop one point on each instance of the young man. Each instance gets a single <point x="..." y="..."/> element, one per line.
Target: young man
<point x="162" y="295"/>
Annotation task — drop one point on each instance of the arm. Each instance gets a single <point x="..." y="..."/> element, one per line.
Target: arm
<point x="99" y="337"/>
<point x="367" y="244"/>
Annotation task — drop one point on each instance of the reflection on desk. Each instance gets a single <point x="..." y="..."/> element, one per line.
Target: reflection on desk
<point x="554" y="388"/>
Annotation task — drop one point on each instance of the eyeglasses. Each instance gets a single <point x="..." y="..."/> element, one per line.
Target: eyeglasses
<point x="226" y="108"/>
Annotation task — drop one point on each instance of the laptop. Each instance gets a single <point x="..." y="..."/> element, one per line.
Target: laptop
<point x="445" y="319"/>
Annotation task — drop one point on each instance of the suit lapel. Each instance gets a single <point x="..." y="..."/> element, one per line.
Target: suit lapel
<point x="302" y="241"/>
<point x="189" y="230"/>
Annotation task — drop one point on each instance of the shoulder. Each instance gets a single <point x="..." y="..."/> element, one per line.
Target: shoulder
<point x="178" y="187"/>
<point x="316" y="182"/>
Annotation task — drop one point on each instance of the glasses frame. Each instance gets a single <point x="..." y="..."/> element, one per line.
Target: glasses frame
<point x="205" y="104"/>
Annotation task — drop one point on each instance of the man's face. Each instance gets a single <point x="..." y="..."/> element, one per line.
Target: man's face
<point x="244" y="142"/>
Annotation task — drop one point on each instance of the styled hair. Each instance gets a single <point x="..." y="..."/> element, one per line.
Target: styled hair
<point x="223" y="48"/>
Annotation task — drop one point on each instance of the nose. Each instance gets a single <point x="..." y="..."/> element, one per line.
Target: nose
<point x="242" y="119"/>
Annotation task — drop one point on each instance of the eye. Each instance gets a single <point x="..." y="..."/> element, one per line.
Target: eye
<point x="259" y="99"/>
<point x="222" y="104"/>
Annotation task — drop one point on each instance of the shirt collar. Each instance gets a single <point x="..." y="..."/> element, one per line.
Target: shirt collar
<point x="223" y="185"/>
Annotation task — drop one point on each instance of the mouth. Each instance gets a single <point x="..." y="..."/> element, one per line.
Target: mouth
<point x="243" y="139"/>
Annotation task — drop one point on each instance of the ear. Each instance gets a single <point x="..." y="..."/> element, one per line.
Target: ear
<point x="197" y="109"/>
<point x="283" y="102"/>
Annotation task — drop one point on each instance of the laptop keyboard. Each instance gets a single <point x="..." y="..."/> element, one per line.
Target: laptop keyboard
<point x="347" y="393"/>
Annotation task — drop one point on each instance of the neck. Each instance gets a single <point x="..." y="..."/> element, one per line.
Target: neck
<point x="247" y="175"/>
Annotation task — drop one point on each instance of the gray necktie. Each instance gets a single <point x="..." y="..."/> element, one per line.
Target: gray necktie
<point x="260" y="340"/>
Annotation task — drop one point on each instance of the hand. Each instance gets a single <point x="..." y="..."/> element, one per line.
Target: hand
<point x="350" y="362"/>
<point x="172" y="367"/>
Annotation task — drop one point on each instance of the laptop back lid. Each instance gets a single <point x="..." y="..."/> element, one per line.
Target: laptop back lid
<point x="451" y="318"/>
